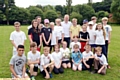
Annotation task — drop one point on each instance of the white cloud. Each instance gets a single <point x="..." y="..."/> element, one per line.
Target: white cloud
<point x="27" y="3"/>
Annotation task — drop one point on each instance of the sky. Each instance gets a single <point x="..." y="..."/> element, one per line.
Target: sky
<point x="27" y="3"/>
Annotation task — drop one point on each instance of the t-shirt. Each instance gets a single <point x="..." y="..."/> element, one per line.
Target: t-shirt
<point x="94" y="26"/>
<point x="91" y="35"/>
<point x="86" y="55"/>
<point x="57" y="57"/>
<point x="18" y="63"/>
<point x="54" y="36"/>
<point x="33" y="57"/>
<point x="107" y="29"/>
<point x="77" y="57"/>
<point x="60" y="31"/>
<point x="72" y="45"/>
<point x="47" y="32"/>
<point x="75" y="30"/>
<point x="65" y="54"/>
<point x="29" y="27"/>
<point x="99" y="37"/>
<point x="18" y="38"/>
<point x="66" y="28"/>
<point x="102" y="59"/>
<point x="45" y="60"/>
<point x="84" y="35"/>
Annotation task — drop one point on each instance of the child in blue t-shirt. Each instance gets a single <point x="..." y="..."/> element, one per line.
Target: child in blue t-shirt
<point x="76" y="58"/>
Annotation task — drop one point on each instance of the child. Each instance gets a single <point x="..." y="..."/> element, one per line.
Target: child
<point x="84" y="37"/>
<point x="100" y="62"/>
<point x="76" y="58"/>
<point x="33" y="57"/>
<point x="87" y="58"/>
<point x="57" y="56"/>
<point x="94" y="20"/>
<point x="60" y="31"/>
<point x="17" y="64"/>
<point x="46" y="34"/>
<point x="66" y="56"/>
<point x="75" y="41"/>
<point x="17" y="37"/>
<point x="54" y="39"/>
<point x="34" y="34"/>
<point x="100" y="37"/>
<point x="47" y="63"/>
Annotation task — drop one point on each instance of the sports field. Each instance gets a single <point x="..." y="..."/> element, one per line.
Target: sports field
<point x="114" y="58"/>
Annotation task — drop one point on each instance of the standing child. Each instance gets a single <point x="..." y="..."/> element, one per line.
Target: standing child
<point x="87" y="58"/>
<point x="54" y="39"/>
<point x="17" y="64"/>
<point x="33" y="57"/>
<point x="100" y="62"/>
<point x="57" y="56"/>
<point x="76" y="58"/>
<point x="84" y="37"/>
<point x="47" y="63"/>
<point x="17" y="37"/>
<point x="46" y="34"/>
<point x="75" y="41"/>
<point x="65" y="56"/>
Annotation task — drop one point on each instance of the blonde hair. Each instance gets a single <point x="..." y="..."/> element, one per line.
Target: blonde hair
<point x="56" y="20"/>
<point x="17" y="23"/>
<point x="52" y="23"/>
<point x="98" y="49"/>
<point x="76" y="46"/>
<point x="46" y="49"/>
<point x="74" y="19"/>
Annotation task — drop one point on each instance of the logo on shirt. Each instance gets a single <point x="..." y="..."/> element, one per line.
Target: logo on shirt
<point x="49" y="30"/>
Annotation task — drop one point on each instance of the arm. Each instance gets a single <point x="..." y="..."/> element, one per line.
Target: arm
<point x="49" y="38"/>
<point x="34" y="62"/>
<point x="109" y="36"/>
<point x="12" y="71"/>
<point x="44" y="37"/>
<point x="62" y="37"/>
<point x="24" y="70"/>
<point x="30" y="39"/>
<point x="40" y="41"/>
<point x="13" y="44"/>
<point x="99" y="71"/>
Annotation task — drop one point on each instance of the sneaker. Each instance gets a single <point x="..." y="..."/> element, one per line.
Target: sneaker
<point x="27" y="70"/>
<point x="93" y="72"/>
<point x="50" y="75"/>
<point x="32" y="78"/>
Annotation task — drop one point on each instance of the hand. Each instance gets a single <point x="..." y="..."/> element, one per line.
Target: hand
<point x="39" y="46"/>
<point x="47" y="43"/>
<point x="96" y="58"/>
<point x="99" y="71"/>
<point x="61" y="41"/>
<point x="45" y="66"/>
<point x="75" y="64"/>
<point x="108" y="41"/>
<point x="47" y="76"/>
<point x="23" y="76"/>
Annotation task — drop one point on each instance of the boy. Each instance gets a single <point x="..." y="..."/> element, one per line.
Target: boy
<point x="17" y="64"/>
<point x="33" y="57"/>
<point x="17" y="37"/>
<point x="100" y="62"/>
<point x="87" y="58"/>
<point x="47" y="63"/>
<point x="76" y="58"/>
<point x="94" y="19"/>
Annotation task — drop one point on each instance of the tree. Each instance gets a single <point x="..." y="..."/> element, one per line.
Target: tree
<point x="68" y="3"/>
<point x="59" y="8"/>
<point x="77" y="16"/>
<point x="51" y="15"/>
<point x="90" y="2"/>
<point x="115" y="9"/>
<point x="48" y="7"/>
<point x="2" y="16"/>
<point x="102" y="14"/>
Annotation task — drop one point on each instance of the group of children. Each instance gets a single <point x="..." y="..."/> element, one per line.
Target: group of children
<point x="88" y="47"/>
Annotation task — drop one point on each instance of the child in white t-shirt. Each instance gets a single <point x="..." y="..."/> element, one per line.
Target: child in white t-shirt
<point x="100" y="62"/>
<point x="17" y="37"/>
<point x="33" y="58"/>
<point x="65" y="56"/>
<point x="47" y="63"/>
<point x="87" y="58"/>
<point x="75" y="41"/>
<point x="57" y="56"/>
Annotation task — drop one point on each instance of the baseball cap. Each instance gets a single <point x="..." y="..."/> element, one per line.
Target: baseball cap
<point x="91" y="22"/>
<point x="46" y="20"/>
<point x="85" y="21"/>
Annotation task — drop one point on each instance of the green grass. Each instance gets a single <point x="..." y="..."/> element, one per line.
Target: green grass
<point x="114" y="58"/>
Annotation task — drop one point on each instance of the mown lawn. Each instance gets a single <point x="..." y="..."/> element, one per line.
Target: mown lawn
<point x="114" y="58"/>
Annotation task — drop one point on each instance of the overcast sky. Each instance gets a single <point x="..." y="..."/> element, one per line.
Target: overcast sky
<point x="27" y="3"/>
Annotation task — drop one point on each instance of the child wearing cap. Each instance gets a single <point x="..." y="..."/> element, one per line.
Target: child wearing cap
<point x="46" y="34"/>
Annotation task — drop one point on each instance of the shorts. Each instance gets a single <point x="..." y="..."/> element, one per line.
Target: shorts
<point x="66" y="62"/>
<point x="20" y="76"/>
<point x="43" y="72"/>
<point x="35" y="69"/>
<point x="79" y="66"/>
<point x="93" y="45"/>
<point x="59" y="41"/>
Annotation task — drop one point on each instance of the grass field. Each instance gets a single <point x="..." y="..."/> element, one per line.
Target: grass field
<point x="114" y="58"/>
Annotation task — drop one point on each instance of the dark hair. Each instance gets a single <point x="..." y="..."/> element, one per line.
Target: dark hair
<point x="37" y="17"/>
<point x="76" y="36"/>
<point x="20" y="46"/>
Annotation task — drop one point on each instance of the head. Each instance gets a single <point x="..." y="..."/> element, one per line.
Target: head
<point x="57" y="49"/>
<point x="34" y="23"/>
<point x="84" y="27"/>
<point x="87" y="48"/>
<point x="64" y="44"/>
<point x="17" y="26"/>
<point x="20" y="50"/>
<point x="76" y="47"/>
<point x="85" y="21"/>
<point x="90" y="24"/>
<point x="58" y="22"/>
<point x="94" y="19"/>
<point x="75" y="38"/>
<point x="104" y="20"/>
<point x="38" y="18"/>
<point x="98" y="50"/>
<point x="46" y="22"/>
<point x="74" y="21"/>
<point x="52" y="25"/>
<point x="33" y="47"/>
<point x="66" y="18"/>
<point x="46" y="50"/>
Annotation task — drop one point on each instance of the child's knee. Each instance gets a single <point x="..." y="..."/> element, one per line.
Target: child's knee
<point x="31" y="65"/>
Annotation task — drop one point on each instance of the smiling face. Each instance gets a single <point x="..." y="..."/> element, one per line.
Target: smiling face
<point x="20" y="51"/>
<point x="66" y="18"/>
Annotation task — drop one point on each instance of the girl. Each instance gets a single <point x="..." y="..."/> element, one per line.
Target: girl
<point x="84" y="37"/>
<point x="66" y="56"/>
<point x="60" y="31"/>
<point x="57" y="56"/>
<point x="100" y="37"/>
<point x="34" y="34"/>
